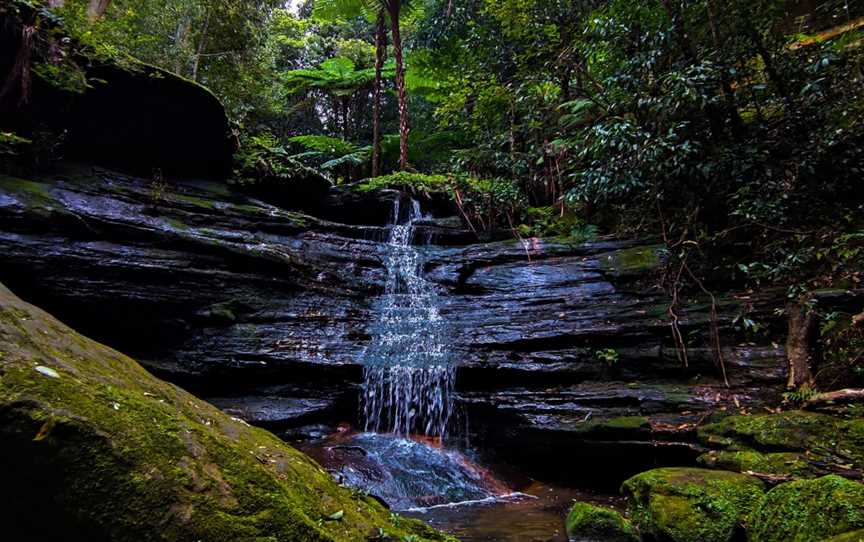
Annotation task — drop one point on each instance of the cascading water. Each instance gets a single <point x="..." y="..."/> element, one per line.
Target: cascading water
<point x="408" y="374"/>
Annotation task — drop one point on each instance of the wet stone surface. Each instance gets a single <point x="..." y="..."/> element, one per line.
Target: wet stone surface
<point x="230" y="296"/>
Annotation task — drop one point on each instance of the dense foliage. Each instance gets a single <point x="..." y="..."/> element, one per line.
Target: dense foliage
<point x="731" y="130"/>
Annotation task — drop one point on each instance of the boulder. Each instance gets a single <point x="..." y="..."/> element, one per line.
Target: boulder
<point x="589" y="523"/>
<point x="119" y="112"/>
<point x="96" y="448"/>
<point x="139" y="118"/>
<point x="809" y="511"/>
<point x="691" y="505"/>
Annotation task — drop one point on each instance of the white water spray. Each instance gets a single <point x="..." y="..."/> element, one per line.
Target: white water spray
<point x="408" y="374"/>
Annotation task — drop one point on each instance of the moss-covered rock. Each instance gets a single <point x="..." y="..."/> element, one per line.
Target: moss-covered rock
<point x="854" y="536"/>
<point x="815" y="438"/>
<point x="779" y="463"/>
<point x="588" y="523"/>
<point x="809" y="510"/>
<point x="635" y="261"/>
<point x="96" y="448"/>
<point x="691" y="505"/>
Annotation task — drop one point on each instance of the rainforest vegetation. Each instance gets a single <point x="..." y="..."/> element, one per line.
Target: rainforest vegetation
<point x="726" y="135"/>
<point x="731" y="130"/>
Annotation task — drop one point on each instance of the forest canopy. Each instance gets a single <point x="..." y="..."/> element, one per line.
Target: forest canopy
<point x="706" y="124"/>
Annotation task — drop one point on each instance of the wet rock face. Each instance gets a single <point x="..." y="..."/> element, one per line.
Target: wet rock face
<point x="557" y="344"/>
<point x="406" y="474"/>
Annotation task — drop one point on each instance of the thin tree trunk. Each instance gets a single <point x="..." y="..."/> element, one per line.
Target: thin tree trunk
<point x="97" y="8"/>
<point x="202" y="43"/>
<point x="768" y="60"/>
<point x="19" y="77"/>
<point x="404" y="121"/>
<point x="180" y="44"/>
<point x="725" y="84"/>
<point x="801" y="351"/>
<point x="346" y="132"/>
<point x="380" y="54"/>
<point x="680" y="32"/>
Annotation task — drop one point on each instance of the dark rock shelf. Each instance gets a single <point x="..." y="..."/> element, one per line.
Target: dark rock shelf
<point x="221" y="292"/>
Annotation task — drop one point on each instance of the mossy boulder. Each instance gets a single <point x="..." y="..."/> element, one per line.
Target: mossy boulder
<point x="854" y="536"/>
<point x="691" y="505"/>
<point x="589" y="523"/>
<point x="804" y="439"/>
<point x="809" y="511"/>
<point x="95" y="448"/>
<point x="139" y="117"/>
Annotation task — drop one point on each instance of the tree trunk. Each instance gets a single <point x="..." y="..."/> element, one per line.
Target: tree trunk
<point x="801" y="344"/>
<point x="202" y="43"/>
<point x="680" y="32"/>
<point x="18" y="78"/>
<point x="346" y="132"/>
<point x="726" y="85"/>
<point x="404" y="122"/>
<point x="773" y="75"/>
<point x="180" y="38"/>
<point x="97" y="9"/>
<point x="380" y="55"/>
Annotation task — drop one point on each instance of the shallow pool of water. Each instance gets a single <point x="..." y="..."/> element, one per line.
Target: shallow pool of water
<point x="449" y="489"/>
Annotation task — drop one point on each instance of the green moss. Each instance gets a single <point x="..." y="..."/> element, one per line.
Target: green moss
<point x="635" y="260"/>
<point x="780" y="463"/>
<point x="412" y="182"/>
<point x="629" y="422"/>
<point x="108" y="452"/>
<point x="623" y="426"/>
<point x="588" y="522"/>
<point x="31" y="194"/>
<point x="822" y="436"/>
<point x="807" y="510"/>
<point x="691" y="505"/>
<point x="854" y="536"/>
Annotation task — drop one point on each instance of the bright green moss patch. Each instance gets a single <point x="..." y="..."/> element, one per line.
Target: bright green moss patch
<point x="691" y="505"/>
<point x="807" y="510"/>
<point x="588" y="522"/>
<point x="98" y="449"/>
<point x="779" y="463"/>
<point x="30" y="194"/>
<point x="820" y="435"/>
<point x="637" y="260"/>
<point x="411" y="182"/>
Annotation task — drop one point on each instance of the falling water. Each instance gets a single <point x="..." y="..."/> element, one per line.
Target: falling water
<point x="408" y="375"/>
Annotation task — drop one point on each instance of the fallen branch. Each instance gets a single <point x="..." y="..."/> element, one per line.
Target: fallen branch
<point x="772" y="479"/>
<point x="839" y="396"/>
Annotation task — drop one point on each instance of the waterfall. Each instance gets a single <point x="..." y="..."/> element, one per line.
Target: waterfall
<point x="407" y="373"/>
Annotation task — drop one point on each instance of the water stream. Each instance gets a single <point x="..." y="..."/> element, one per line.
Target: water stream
<point x="408" y="374"/>
<point x="407" y="403"/>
